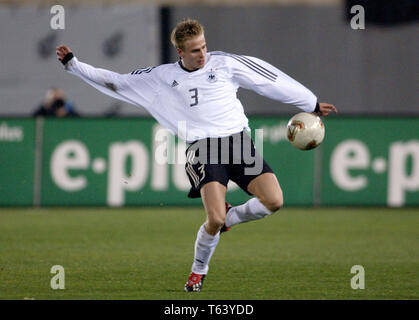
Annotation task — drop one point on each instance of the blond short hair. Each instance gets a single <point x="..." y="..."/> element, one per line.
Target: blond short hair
<point x="184" y="31"/>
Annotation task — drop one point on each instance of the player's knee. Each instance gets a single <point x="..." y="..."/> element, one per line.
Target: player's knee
<point x="274" y="204"/>
<point x="215" y="222"/>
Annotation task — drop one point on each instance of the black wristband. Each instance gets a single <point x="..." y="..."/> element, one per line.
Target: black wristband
<point x="317" y="108"/>
<point x="67" y="58"/>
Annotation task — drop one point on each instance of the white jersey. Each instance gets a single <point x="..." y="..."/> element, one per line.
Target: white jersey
<point x="202" y="103"/>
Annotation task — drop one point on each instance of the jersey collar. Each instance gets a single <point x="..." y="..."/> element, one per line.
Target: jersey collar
<point x="182" y="66"/>
<point x="190" y="71"/>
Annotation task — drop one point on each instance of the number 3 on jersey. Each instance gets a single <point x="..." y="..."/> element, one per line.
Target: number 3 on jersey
<point x="194" y="96"/>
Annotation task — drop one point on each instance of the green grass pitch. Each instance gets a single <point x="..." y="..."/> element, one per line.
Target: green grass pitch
<point x="146" y="253"/>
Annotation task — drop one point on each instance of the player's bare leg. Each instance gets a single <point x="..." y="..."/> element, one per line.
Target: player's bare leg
<point x="213" y="199"/>
<point x="267" y="189"/>
<point x="268" y="199"/>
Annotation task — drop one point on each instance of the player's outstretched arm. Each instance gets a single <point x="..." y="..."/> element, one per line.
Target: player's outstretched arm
<point x="260" y="76"/>
<point x="99" y="76"/>
<point x="138" y="90"/>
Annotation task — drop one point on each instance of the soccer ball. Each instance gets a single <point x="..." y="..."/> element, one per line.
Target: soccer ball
<point x="305" y="131"/>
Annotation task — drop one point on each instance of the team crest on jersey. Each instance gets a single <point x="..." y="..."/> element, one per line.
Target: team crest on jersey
<point x="212" y="77"/>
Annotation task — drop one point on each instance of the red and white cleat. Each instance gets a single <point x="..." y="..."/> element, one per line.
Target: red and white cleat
<point x="194" y="283"/>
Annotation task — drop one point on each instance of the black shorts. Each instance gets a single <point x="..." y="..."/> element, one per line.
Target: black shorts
<point x="223" y="159"/>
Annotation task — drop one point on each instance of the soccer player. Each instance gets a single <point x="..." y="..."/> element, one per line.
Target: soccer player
<point x="195" y="98"/>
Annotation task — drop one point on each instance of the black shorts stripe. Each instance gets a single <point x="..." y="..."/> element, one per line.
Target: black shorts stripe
<point x="192" y="175"/>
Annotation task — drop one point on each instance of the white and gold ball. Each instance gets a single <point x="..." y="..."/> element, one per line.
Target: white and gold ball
<point x="305" y="131"/>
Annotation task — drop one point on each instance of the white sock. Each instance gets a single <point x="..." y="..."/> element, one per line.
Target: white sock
<point x="251" y="210"/>
<point x="204" y="248"/>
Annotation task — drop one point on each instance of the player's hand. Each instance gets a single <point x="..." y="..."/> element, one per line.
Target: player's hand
<point x="62" y="52"/>
<point x="326" y="108"/>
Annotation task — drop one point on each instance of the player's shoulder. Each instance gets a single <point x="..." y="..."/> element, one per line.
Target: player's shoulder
<point x="155" y="70"/>
<point x="142" y="70"/>
<point x="228" y="59"/>
<point x="220" y="56"/>
<point x="157" y="74"/>
<point x="222" y="60"/>
<point x="247" y="63"/>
